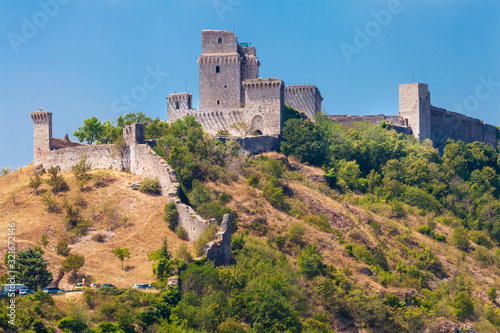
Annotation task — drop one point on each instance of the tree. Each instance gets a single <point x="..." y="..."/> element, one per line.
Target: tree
<point x="56" y="181"/>
<point x="492" y="294"/>
<point x="72" y="263"/>
<point x="63" y="249"/>
<point x="35" y="183"/>
<point x="305" y="140"/>
<point x="242" y="128"/>
<point x="163" y="265"/>
<point x="91" y="131"/>
<point x="310" y="261"/>
<point x="32" y="268"/>
<point x="80" y="170"/>
<point x="121" y="254"/>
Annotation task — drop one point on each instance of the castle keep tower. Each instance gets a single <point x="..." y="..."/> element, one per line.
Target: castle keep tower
<point x="42" y="135"/>
<point x="415" y="106"/>
<point x="178" y="105"/>
<point x="220" y="70"/>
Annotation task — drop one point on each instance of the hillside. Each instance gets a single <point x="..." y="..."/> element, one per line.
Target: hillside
<point x="125" y="217"/>
<point x="387" y="236"/>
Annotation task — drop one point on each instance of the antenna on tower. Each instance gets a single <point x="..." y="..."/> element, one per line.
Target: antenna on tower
<point x="37" y="102"/>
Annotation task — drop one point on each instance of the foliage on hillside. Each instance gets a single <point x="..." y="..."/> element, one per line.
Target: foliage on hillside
<point x="393" y="238"/>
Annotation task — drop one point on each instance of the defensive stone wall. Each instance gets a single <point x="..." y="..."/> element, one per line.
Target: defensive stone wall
<point x="437" y="124"/>
<point x="256" y="144"/>
<point x="219" y="250"/>
<point x="305" y="98"/>
<point x="136" y="156"/>
<point x="446" y="124"/>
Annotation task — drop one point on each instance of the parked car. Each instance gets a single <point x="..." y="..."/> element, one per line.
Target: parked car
<point x="79" y="287"/>
<point x="25" y="292"/>
<point x="4" y="294"/>
<point x="142" y="286"/>
<point x="53" y="290"/>
<point x="95" y="286"/>
<point x="14" y="288"/>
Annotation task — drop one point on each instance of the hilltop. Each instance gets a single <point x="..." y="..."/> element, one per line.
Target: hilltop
<point x="348" y="230"/>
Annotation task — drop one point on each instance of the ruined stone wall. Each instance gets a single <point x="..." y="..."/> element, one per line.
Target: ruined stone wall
<point x="100" y="156"/>
<point x="446" y="124"/>
<point x="305" y="98"/>
<point x="256" y="144"/>
<point x="219" y="250"/>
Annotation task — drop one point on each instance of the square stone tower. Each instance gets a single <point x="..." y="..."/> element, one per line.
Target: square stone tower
<point x="415" y="106"/>
<point x="42" y="135"/>
<point x="220" y="70"/>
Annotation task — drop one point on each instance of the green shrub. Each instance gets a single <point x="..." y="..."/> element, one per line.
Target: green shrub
<point x="439" y="238"/>
<point x="150" y="186"/>
<point x="74" y="221"/>
<point x="273" y="192"/>
<point x="259" y="226"/>
<point x="280" y="242"/>
<point x="182" y="233"/>
<point x="253" y="180"/>
<point x="425" y="230"/>
<point x="464" y="306"/>
<point x="213" y="210"/>
<point x="481" y="238"/>
<point x="224" y="198"/>
<point x="272" y="167"/>
<point x="102" y="178"/>
<point x="171" y="215"/>
<point x="80" y="170"/>
<point x="50" y="203"/>
<point x="207" y="236"/>
<point x="295" y="234"/>
<point x="71" y="324"/>
<point x="485" y="259"/>
<point x="223" y="132"/>
<point x="35" y="183"/>
<point x="63" y="249"/>
<point x="460" y="239"/>
<point x="321" y="222"/>
<point x="56" y="181"/>
<point x="419" y="198"/>
<point x="310" y="261"/>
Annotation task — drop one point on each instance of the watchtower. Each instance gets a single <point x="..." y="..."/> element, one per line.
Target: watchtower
<point x="177" y="105"/>
<point x="415" y="106"/>
<point x="42" y="135"/>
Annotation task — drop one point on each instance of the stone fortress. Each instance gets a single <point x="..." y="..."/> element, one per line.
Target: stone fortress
<point x="231" y="91"/>
<point x="418" y="117"/>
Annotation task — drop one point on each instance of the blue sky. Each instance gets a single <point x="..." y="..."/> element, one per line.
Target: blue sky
<point x="82" y="58"/>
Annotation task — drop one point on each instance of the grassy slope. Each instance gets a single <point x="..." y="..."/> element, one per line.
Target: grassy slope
<point x="145" y="228"/>
<point x="142" y="232"/>
<point x="353" y="222"/>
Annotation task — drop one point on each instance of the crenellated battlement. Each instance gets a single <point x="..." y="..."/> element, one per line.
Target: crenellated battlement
<point x="263" y="83"/>
<point x="217" y="59"/>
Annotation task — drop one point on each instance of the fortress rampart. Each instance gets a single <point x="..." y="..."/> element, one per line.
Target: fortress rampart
<point x="136" y="156"/>
<point x="304" y="98"/>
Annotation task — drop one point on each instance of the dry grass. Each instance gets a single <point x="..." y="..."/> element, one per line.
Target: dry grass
<point x="139" y="226"/>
